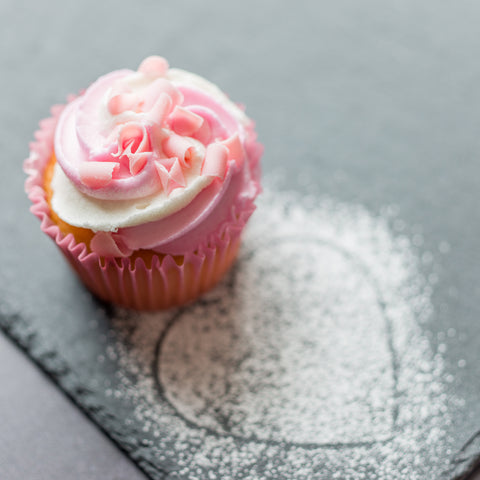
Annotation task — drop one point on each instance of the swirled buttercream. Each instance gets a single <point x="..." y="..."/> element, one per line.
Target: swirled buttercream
<point x="150" y="156"/>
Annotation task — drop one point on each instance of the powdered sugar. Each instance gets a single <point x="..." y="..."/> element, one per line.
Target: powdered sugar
<point x="306" y="362"/>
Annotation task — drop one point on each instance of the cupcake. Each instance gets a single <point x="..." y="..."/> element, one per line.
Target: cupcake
<point x="145" y="182"/>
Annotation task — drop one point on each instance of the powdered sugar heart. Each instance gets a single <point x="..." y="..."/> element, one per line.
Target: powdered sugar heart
<point x="309" y="361"/>
<point x="283" y="364"/>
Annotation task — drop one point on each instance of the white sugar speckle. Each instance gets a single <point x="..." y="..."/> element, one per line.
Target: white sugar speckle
<point x="417" y="240"/>
<point x="451" y="332"/>
<point x="427" y="258"/>
<point x="307" y="362"/>
<point x="399" y="225"/>
<point x="444" y="247"/>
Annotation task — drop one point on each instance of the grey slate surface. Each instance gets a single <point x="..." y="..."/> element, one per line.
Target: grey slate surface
<point x="378" y="102"/>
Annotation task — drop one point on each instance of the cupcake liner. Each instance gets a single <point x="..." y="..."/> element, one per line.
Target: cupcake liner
<point x="161" y="280"/>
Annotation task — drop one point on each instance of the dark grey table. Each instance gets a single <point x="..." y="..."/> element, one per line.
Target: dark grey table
<point x="378" y="101"/>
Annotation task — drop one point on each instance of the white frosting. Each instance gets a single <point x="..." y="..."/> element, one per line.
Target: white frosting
<point x="80" y="210"/>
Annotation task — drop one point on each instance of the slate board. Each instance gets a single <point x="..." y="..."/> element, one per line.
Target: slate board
<point x="376" y="103"/>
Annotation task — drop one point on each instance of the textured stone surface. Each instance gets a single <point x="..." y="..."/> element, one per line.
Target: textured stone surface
<point x="374" y="103"/>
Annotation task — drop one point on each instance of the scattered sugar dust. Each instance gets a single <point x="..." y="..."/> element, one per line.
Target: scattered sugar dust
<point x="307" y="362"/>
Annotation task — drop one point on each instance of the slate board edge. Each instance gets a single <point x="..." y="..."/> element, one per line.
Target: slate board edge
<point x="57" y="369"/>
<point x="466" y="462"/>
<point x="463" y="463"/>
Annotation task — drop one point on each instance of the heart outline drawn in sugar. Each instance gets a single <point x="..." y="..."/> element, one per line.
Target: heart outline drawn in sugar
<point x="294" y="348"/>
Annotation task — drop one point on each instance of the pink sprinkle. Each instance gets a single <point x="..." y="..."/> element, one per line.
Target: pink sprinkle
<point x="235" y="149"/>
<point x="176" y="174"/>
<point x="163" y="174"/>
<point x="170" y="179"/>
<point x="155" y="89"/>
<point x="177" y="146"/>
<point x="154" y="65"/>
<point x="168" y="162"/>
<point x="137" y="161"/>
<point x="135" y="138"/>
<point x="122" y="102"/>
<point x="97" y="174"/>
<point x="190" y="154"/>
<point x="105" y="245"/>
<point x="215" y="162"/>
<point x="161" y="108"/>
<point x="185" y="122"/>
<point x="204" y="134"/>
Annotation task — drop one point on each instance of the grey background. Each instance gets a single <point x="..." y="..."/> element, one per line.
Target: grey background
<point x="377" y="101"/>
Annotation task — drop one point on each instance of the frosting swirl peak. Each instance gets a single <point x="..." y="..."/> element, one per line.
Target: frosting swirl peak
<point x="134" y="134"/>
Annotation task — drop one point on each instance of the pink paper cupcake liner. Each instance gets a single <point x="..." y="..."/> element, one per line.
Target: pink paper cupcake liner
<point x="167" y="280"/>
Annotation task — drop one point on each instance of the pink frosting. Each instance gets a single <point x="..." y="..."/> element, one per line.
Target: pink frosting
<point x="116" y="142"/>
